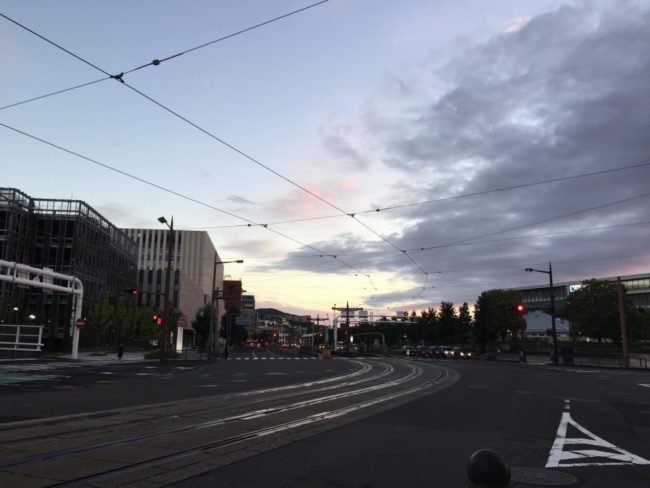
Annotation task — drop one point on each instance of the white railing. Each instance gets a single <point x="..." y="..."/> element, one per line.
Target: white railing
<point x="21" y="337"/>
<point x="46" y="279"/>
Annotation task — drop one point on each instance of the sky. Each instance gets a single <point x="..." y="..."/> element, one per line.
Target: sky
<point x="389" y="155"/>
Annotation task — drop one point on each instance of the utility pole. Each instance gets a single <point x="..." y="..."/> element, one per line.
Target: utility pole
<point x="213" y="298"/>
<point x="347" y="309"/>
<point x="317" y="320"/>
<point x="621" y="314"/>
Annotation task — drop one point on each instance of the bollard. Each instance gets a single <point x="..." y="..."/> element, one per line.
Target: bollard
<point x="486" y="468"/>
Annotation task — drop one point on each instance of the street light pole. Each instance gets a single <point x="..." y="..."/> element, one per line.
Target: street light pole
<point x="167" y="309"/>
<point x="554" y="358"/>
<point x="213" y="312"/>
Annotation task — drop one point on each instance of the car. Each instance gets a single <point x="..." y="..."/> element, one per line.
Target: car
<point x="444" y="352"/>
<point x="408" y="351"/>
<point x="460" y="353"/>
<point x="424" y="352"/>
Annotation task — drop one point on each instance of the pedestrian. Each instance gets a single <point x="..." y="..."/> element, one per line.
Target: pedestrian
<point x="120" y="351"/>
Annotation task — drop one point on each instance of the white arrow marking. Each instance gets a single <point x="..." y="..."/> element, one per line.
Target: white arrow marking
<point x="558" y="456"/>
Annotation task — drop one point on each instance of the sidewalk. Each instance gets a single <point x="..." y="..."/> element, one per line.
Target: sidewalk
<point x="107" y="358"/>
<point x="189" y="355"/>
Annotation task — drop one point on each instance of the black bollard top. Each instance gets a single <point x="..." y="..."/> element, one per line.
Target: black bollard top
<point x="486" y="468"/>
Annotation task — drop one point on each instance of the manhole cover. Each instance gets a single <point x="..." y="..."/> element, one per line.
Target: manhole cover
<point x="542" y="477"/>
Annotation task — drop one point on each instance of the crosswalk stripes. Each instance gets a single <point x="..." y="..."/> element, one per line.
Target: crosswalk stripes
<point x="257" y="358"/>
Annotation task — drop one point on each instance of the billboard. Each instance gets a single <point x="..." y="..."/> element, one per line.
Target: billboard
<point x="248" y="301"/>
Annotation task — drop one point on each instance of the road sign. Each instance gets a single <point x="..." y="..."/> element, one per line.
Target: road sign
<point x="182" y="321"/>
<point x="79" y="323"/>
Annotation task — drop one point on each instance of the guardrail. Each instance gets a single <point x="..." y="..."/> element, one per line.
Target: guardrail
<point x="21" y="337"/>
<point x="576" y="359"/>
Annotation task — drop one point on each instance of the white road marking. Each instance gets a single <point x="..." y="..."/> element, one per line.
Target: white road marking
<point x="561" y="458"/>
<point x="647" y="385"/>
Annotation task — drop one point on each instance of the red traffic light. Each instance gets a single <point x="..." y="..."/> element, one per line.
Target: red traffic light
<point x="520" y="308"/>
<point x="156" y="319"/>
<point x="133" y="291"/>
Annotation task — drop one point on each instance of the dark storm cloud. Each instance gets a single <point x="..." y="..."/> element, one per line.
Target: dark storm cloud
<point x="566" y="94"/>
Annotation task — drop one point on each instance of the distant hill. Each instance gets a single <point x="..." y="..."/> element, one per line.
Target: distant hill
<point x="274" y="313"/>
<point x="263" y="313"/>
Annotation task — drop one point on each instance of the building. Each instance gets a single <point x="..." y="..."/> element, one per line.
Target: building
<point x="194" y="268"/>
<point x="538" y="326"/>
<point x="539" y="297"/>
<point x="69" y="237"/>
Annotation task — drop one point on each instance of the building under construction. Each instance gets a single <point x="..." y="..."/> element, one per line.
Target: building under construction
<point x="69" y="237"/>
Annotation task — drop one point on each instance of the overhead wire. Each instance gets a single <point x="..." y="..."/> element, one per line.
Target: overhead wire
<point x="530" y="224"/>
<point x="120" y="78"/>
<point x="443" y="199"/>
<point x="55" y="92"/>
<point x="155" y="62"/>
<point x="404" y="252"/>
<point x="178" y="194"/>
<point x="337" y="257"/>
<point x="507" y="188"/>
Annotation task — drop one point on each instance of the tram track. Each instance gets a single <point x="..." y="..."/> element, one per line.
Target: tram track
<point x="205" y="441"/>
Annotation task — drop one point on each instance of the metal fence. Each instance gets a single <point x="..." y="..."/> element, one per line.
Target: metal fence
<point x="21" y="337"/>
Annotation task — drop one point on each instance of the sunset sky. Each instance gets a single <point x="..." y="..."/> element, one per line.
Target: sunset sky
<point x="387" y="154"/>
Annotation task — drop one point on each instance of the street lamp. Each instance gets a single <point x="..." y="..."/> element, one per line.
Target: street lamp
<point x="214" y="297"/>
<point x="554" y="358"/>
<point x="167" y="309"/>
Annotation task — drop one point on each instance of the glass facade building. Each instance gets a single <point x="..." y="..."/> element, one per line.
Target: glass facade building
<point x="539" y="297"/>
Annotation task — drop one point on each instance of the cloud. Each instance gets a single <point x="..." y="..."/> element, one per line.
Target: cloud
<point x="563" y="93"/>
<point x="516" y="24"/>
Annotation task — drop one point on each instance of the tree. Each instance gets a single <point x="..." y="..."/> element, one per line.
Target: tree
<point x="493" y="317"/>
<point x="428" y="323"/>
<point x="447" y="321"/>
<point x="464" y="330"/>
<point x="201" y="324"/>
<point x="593" y="311"/>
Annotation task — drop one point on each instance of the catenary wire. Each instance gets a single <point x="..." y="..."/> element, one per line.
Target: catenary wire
<point x="55" y="93"/>
<point x="220" y="140"/>
<point x="178" y="194"/>
<point x="453" y="197"/>
<point x="320" y="252"/>
<point x="155" y="62"/>
<point x="404" y="252"/>
<point x="530" y="224"/>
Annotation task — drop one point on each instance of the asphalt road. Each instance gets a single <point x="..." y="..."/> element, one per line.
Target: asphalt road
<point x="556" y="426"/>
<point x="36" y="389"/>
<point x="515" y="410"/>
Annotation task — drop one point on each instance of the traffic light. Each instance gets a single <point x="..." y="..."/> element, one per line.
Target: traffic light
<point x="133" y="291"/>
<point x="156" y="319"/>
<point x="520" y="308"/>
